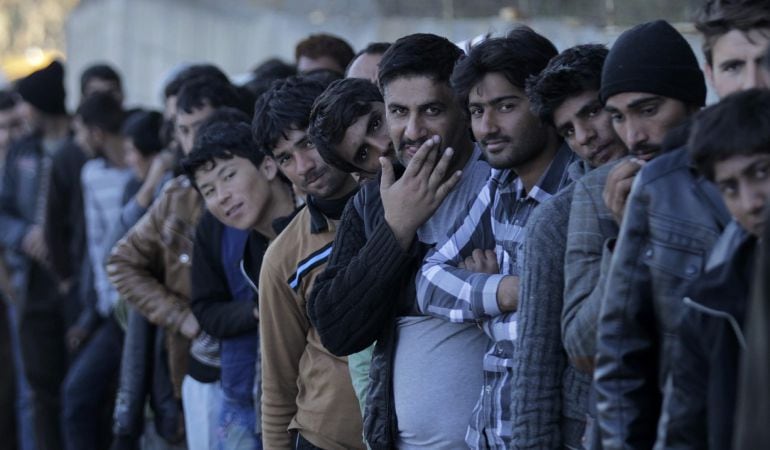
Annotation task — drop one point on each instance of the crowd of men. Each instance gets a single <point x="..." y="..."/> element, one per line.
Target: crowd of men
<point x="415" y="246"/>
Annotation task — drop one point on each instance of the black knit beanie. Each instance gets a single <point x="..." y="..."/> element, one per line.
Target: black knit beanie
<point x="654" y="58"/>
<point x="44" y="89"/>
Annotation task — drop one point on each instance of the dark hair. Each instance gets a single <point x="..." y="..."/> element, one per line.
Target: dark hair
<point x="143" y="128"/>
<point x="222" y="137"/>
<point x="285" y="106"/>
<point x="100" y="71"/>
<point x="718" y="17"/>
<point x="318" y="45"/>
<point x="266" y="73"/>
<point x="419" y="54"/>
<point x="101" y="110"/>
<point x="572" y="72"/>
<point x="738" y="125"/>
<point x="341" y="104"/>
<point x="8" y="99"/>
<point x="518" y="56"/>
<point x="192" y="72"/>
<point x="374" y="48"/>
<point x="198" y="92"/>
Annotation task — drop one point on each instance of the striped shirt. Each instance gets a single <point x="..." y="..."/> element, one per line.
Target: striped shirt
<point x="496" y="220"/>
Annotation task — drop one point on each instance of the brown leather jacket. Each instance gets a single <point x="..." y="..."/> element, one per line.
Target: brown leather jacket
<point x="150" y="266"/>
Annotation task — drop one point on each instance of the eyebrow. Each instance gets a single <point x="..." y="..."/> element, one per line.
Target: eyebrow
<point x="300" y="141"/>
<point x="643" y="101"/>
<point x="496" y="100"/>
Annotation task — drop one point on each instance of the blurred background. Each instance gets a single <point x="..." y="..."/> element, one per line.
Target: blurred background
<point x="145" y="39"/>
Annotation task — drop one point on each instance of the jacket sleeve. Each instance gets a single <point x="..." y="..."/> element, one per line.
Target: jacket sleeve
<point x="586" y="265"/>
<point x="454" y="294"/>
<point x="626" y="376"/>
<point x="356" y="295"/>
<point x="13" y="225"/>
<point x="539" y="360"/>
<point x="283" y="336"/>
<point x="135" y="267"/>
<point x="212" y="301"/>
<point x="686" y="421"/>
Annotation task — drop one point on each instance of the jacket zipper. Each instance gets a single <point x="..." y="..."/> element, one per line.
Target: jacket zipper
<point x="253" y="285"/>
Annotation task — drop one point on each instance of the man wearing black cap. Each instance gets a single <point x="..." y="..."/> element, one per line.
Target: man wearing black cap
<point x="22" y="215"/>
<point x="670" y="221"/>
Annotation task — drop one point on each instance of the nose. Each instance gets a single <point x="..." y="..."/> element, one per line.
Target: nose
<point x="752" y="201"/>
<point x="223" y="195"/>
<point x="584" y="135"/>
<point x="304" y="163"/>
<point x="635" y="134"/>
<point x="486" y="125"/>
<point x="414" y="128"/>
<point x="755" y="77"/>
<point x="380" y="144"/>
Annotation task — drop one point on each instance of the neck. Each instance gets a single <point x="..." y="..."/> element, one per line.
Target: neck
<point x="113" y="151"/>
<point x="349" y="186"/>
<point x="531" y="171"/>
<point x="55" y="128"/>
<point x="282" y="205"/>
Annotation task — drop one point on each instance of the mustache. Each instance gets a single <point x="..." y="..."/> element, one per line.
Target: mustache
<point x="494" y="137"/>
<point x="411" y="142"/>
<point x="644" y="148"/>
<point x="313" y="175"/>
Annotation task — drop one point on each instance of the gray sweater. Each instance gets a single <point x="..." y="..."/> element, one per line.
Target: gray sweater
<point x="550" y="397"/>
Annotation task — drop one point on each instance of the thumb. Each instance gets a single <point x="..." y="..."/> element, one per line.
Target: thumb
<point x="387" y="178"/>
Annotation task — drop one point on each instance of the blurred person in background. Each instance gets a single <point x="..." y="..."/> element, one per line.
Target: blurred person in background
<point x="366" y="62"/>
<point x="323" y="51"/>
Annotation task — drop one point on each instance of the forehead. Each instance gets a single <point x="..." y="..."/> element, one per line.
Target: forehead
<point x="417" y="90"/>
<point x="197" y="114"/>
<point x="627" y="100"/>
<point x="365" y="66"/>
<point x="288" y="139"/>
<point x="734" y="166"/>
<point x="572" y="105"/>
<point x="741" y="44"/>
<point x="491" y="86"/>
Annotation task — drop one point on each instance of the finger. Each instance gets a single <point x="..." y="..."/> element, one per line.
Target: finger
<point x="490" y="255"/>
<point x="621" y="194"/>
<point x="387" y="177"/>
<point x="478" y="255"/>
<point x="417" y="161"/>
<point x="469" y="263"/>
<point x="439" y="172"/>
<point x="461" y="265"/>
<point x="430" y="158"/>
<point x="447" y="186"/>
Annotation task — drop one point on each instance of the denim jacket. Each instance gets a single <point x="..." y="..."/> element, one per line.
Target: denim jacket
<point x="673" y="218"/>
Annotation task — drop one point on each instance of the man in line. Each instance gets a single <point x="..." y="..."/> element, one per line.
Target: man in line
<point x="307" y="396"/>
<point x="243" y="192"/>
<point x="323" y="52"/>
<point x="430" y="363"/>
<point x="473" y="276"/>
<point x="549" y="394"/>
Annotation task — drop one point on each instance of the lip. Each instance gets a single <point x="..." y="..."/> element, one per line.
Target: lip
<point x="410" y="150"/>
<point x="495" y="146"/>
<point x="234" y="210"/>
<point x="601" y="154"/>
<point x="310" y="181"/>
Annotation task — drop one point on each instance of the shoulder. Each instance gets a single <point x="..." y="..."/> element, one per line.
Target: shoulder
<point x="287" y="242"/>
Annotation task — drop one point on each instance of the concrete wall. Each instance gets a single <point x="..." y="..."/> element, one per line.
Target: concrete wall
<point x="145" y="39"/>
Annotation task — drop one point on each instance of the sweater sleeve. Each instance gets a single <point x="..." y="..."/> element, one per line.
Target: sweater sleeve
<point x="212" y="303"/>
<point x="283" y="335"/>
<point x="539" y="360"/>
<point x="357" y="293"/>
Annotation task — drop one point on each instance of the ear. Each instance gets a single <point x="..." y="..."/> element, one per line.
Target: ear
<point x="709" y="72"/>
<point x="269" y="168"/>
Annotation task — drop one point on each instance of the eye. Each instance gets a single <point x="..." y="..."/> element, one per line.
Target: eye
<point x="649" y="110"/>
<point x="732" y="66"/>
<point x="593" y="112"/>
<point x="506" y="107"/>
<point x="207" y="192"/>
<point x="728" y="190"/>
<point x="283" y="159"/>
<point x="616" y="117"/>
<point x="568" y="132"/>
<point x="230" y="175"/>
<point x="760" y="172"/>
<point x="397" y="111"/>
<point x="375" y="124"/>
<point x="476" y="111"/>
<point x="432" y="111"/>
<point x="362" y="155"/>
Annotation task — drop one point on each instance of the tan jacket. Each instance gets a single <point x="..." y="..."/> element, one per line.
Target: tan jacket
<point x="150" y="266"/>
<point x="304" y="387"/>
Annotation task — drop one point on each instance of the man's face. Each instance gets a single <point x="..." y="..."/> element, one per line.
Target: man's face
<point x="306" y="64"/>
<point x="86" y="137"/>
<point x="300" y="162"/>
<point x="508" y="132"/>
<point x="737" y="61"/>
<point x="11" y="127"/>
<point x="95" y="85"/>
<point x="187" y="125"/>
<point x="641" y="120"/>
<point x="366" y="140"/>
<point x="235" y="191"/>
<point x="416" y="108"/>
<point x="138" y="163"/>
<point x="365" y="66"/>
<point x="587" y="127"/>
<point x="744" y="182"/>
<point x="30" y="115"/>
